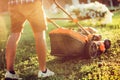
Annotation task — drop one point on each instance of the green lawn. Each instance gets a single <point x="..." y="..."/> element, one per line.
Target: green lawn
<point x="74" y="68"/>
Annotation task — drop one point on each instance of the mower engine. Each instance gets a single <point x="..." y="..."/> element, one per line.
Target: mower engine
<point x="96" y="48"/>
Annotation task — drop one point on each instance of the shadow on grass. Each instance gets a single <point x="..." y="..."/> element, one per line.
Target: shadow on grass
<point x="63" y="68"/>
<point x="67" y="67"/>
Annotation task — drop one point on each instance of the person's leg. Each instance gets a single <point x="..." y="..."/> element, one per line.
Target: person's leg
<point x="17" y="21"/>
<point x="37" y="21"/>
<point x="40" y="49"/>
<point x="11" y="50"/>
<point x="41" y="52"/>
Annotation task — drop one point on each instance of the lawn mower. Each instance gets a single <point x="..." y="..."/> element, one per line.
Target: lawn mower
<point x="67" y="42"/>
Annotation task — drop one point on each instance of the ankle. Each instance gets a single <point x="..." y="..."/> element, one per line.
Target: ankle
<point x="12" y="71"/>
<point x="44" y="71"/>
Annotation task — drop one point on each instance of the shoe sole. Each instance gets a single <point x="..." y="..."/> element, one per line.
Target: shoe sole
<point x="10" y="79"/>
<point x="13" y="79"/>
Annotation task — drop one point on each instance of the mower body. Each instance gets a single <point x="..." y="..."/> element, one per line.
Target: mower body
<point x="65" y="42"/>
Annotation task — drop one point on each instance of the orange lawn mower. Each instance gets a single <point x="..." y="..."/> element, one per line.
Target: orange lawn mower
<point x="67" y="42"/>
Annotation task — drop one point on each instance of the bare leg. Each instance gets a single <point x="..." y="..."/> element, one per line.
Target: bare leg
<point x="41" y="50"/>
<point x="11" y="50"/>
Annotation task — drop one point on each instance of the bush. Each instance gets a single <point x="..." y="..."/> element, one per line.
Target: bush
<point x="3" y="39"/>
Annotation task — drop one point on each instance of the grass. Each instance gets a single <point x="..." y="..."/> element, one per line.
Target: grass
<point x="105" y="67"/>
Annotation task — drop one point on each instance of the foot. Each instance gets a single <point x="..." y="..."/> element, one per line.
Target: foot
<point x="11" y="76"/>
<point x="45" y="74"/>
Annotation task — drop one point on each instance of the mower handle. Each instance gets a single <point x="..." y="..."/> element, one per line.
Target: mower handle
<point x="79" y="25"/>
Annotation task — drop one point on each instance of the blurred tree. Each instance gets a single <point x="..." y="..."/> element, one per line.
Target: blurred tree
<point x="115" y="2"/>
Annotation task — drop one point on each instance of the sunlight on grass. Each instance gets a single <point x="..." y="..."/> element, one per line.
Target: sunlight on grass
<point x="105" y="67"/>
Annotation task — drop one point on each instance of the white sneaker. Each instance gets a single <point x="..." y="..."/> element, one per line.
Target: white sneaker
<point x="47" y="74"/>
<point x="10" y="76"/>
